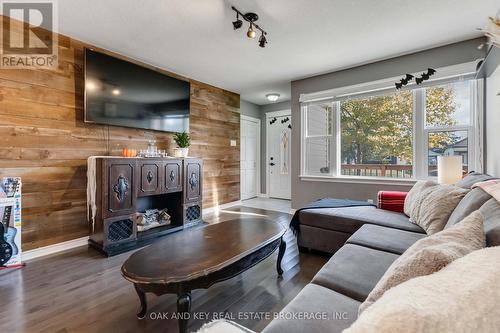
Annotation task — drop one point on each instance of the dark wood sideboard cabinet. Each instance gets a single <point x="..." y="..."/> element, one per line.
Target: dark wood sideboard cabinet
<point x="126" y="186"/>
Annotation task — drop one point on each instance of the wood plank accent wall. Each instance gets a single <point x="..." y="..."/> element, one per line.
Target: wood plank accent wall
<point x="44" y="140"/>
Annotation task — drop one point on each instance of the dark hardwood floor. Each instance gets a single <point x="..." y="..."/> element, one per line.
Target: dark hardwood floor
<point x="82" y="291"/>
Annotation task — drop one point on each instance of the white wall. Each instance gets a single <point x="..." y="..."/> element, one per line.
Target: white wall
<point x="493" y="123"/>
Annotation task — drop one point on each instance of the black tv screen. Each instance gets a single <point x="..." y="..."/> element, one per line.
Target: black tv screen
<point x="121" y="93"/>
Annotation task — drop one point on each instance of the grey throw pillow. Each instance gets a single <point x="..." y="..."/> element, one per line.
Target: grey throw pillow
<point x="430" y="254"/>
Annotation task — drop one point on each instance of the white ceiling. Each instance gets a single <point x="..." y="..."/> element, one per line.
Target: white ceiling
<point x="306" y="37"/>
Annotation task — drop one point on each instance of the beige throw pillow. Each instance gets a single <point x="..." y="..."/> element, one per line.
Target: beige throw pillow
<point x="463" y="297"/>
<point x="437" y="205"/>
<point x="430" y="254"/>
<point x="414" y="198"/>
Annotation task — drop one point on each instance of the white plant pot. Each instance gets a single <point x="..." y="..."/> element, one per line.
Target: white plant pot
<point x="181" y="152"/>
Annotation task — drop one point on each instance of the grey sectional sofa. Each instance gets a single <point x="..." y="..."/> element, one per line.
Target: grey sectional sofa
<point x="366" y="240"/>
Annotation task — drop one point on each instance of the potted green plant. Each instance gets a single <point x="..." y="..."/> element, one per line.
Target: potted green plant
<point x="183" y="142"/>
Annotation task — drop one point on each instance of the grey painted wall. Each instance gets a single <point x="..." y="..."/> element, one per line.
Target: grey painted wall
<point x="305" y="191"/>
<point x="249" y="109"/>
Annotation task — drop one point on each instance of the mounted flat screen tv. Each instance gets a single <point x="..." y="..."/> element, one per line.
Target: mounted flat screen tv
<point x="121" y="93"/>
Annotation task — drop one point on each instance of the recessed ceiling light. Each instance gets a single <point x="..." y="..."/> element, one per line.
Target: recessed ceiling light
<point x="116" y="92"/>
<point x="272" y="97"/>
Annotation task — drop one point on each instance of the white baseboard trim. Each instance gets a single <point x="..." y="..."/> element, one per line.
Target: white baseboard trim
<point x="215" y="209"/>
<point x="263" y="195"/>
<point x="51" y="249"/>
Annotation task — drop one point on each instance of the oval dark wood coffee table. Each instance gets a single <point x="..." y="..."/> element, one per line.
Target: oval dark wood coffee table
<point x="198" y="258"/>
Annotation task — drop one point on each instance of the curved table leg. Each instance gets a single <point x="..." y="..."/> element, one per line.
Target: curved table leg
<point x="183" y="309"/>
<point x="281" y="253"/>
<point x="144" y="305"/>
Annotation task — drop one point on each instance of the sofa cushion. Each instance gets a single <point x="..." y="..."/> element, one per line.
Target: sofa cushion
<point x="350" y="219"/>
<point x="385" y="239"/>
<point x="354" y="270"/>
<point x="491" y="215"/>
<point x="472" y="178"/>
<point x="312" y="300"/>
<point x="471" y="202"/>
<point x="462" y="297"/>
<point x="321" y="239"/>
<point x="430" y="254"/>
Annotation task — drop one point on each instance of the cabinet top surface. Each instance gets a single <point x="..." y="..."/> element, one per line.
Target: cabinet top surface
<point x="196" y="252"/>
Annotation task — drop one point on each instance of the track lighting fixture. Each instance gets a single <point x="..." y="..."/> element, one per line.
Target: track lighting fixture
<point x="238" y="23"/>
<point x="251" y="32"/>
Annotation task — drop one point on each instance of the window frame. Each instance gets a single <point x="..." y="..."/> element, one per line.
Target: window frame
<point x="420" y="133"/>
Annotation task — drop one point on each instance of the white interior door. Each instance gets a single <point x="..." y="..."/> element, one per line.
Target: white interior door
<point x="249" y="150"/>
<point x="278" y="147"/>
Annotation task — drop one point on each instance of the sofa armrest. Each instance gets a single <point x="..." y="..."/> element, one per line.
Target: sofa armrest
<point x="392" y="200"/>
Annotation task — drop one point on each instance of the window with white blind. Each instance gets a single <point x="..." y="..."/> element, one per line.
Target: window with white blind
<point x="391" y="134"/>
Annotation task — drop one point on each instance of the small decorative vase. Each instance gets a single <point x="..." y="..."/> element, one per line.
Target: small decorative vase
<point x="181" y="152"/>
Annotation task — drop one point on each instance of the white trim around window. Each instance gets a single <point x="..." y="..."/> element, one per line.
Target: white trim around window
<point x="421" y="133"/>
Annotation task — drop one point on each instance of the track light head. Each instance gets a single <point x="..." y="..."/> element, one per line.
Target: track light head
<point x="398" y="85"/>
<point x="404" y="81"/>
<point x="425" y="76"/>
<point x="262" y="41"/>
<point x="251" y="32"/>
<point x="419" y="80"/>
<point x="237" y="24"/>
<point x="431" y="71"/>
<point x="409" y="77"/>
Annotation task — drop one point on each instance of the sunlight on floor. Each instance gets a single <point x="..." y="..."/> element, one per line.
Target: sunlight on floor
<point x="240" y="213"/>
<point x="278" y="205"/>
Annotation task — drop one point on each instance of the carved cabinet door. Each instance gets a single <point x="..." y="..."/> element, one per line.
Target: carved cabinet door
<point x="173" y="176"/>
<point x="119" y="187"/>
<point x="150" y="178"/>
<point x="193" y="172"/>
